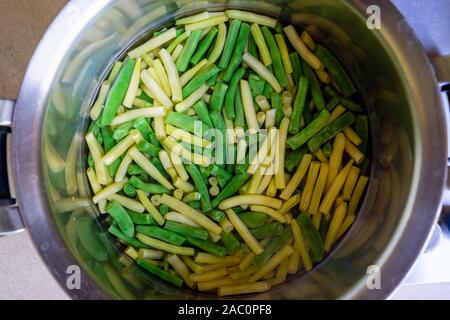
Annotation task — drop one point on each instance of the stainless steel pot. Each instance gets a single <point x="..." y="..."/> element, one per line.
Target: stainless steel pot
<point x="408" y="161"/>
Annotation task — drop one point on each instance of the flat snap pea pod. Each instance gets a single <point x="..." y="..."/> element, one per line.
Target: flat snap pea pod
<point x="253" y="219"/>
<point x="151" y="188"/>
<point x="185" y="122"/>
<point x="332" y="103"/>
<point x="231" y="93"/>
<point x="218" y="96"/>
<point x="216" y="214"/>
<point x="293" y="159"/>
<point x="201" y="109"/>
<point x="330" y="131"/>
<point x="272" y="247"/>
<point x="229" y="43"/>
<point x="85" y="230"/>
<point x="109" y="143"/>
<point x="121" y="217"/>
<point x="199" y="80"/>
<point x="117" y="92"/>
<point x="267" y="87"/>
<point x="161" y="234"/>
<point x="312" y="235"/>
<point x="129" y="190"/>
<point x="316" y="92"/>
<point x="204" y="45"/>
<point x="188" y="50"/>
<point x="296" y="66"/>
<point x="122" y="131"/>
<point x="231" y="188"/>
<point x="146" y="131"/>
<point x="175" y="280"/>
<point x="276" y="101"/>
<point x="141" y="218"/>
<point x="200" y="185"/>
<point x="351" y="105"/>
<point x="186" y="231"/>
<point x="310" y="130"/>
<point x="239" y="120"/>
<point x="299" y="105"/>
<point x="362" y="130"/>
<point x="148" y="148"/>
<point x="336" y="70"/>
<point x="114" y="230"/>
<point x="278" y="67"/>
<point x="208" y="246"/>
<point x="236" y="58"/>
<point x="256" y="84"/>
<point x="268" y="230"/>
<point x="231" y="243"/>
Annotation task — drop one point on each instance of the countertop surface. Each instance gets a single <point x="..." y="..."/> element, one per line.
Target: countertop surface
<point x="22" y="273"/>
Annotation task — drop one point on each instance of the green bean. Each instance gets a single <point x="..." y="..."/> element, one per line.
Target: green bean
<point x="256" y="84"/>
<point x="316" y="92"/>
<point x="323" y="229"/>
<point x="122" y="131"/>
<point x="186" y="231"/>
<point x="185" y="122"/>
<point x="114" y="230"/>
<point x="199" y="80"/>
<point x="179" y="39"/>
<point x="218" y="96"/>
<point x="296" y="66"/>
<point x="327" y="148"/>
<point x="200" y="185"/>
<point x="161" y="234"/>
<point x="231" y="93"/>
<point x="145" y="97"/>
<point x="351" y="105"/>
<point x="229" y="43"/>
<point x="312" y="235"/>
<point x="205" y="174"/>
<point x="239" y="120"/>
<point x="231" y="243"/>
<point x="307" y="114"/>
<point x="331" y="131"/>
<point x="141" y="218"/>
<point x="310" y="130"/>
<point x="330" y="92"/>
<point x="267" y="87"/>
<point x="365" y="166"/>
<point x="157" y="163"/>
<point x="336" y="70"/>
<point x="90" y="162"/>
<point x="276" y="101"/>
<point x="95" y="128"/>
<point x="146" y="131"/>
<point x="362" y="130"/>
<point x="148" y="148"/>
<point x="251" y="47"/>
<point x="279" y="28"/>
<point x="204" y="45"/>
<point x="88" y="236"/>
<point x="188" y="50"/>
<point x="121" y="217"/>
<point x="208" y="246"/>
<point x="219" y="124"/>
<point x="331" y="104"/>
<point x="134" y="169"/>
<point x="253" y="219"/>
<point x="216" y="214"/>
<point x="151" y="188"/>
<point x="231" y="188"/>
<point x="117" y="92"/>
<point x="272" y="247"/>
<point x="236" y="58"/>
<point x="222" y="175"/>
<point x="164" y="209"/>
<point x="129" y="190"/>
<point x="201" y="109"/>
<point x="293" y="158"/>
<point x="175" y="280"/>
<point x="299" y="105"/>
<point x="278" y="67"/>
<point x="195" y="204"/>
<point x="268" y="230"/>
<point x="109" y="143"/>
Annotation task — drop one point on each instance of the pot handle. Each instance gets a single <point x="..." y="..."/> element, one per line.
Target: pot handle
<point x="433" y="265"/>
<point x="10" y="219"/>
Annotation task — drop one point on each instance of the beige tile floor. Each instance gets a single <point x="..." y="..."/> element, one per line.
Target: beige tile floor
<point x="22" y="273"/>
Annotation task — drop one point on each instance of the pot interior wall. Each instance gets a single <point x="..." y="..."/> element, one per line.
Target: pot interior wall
<point x="341" y="29"/>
